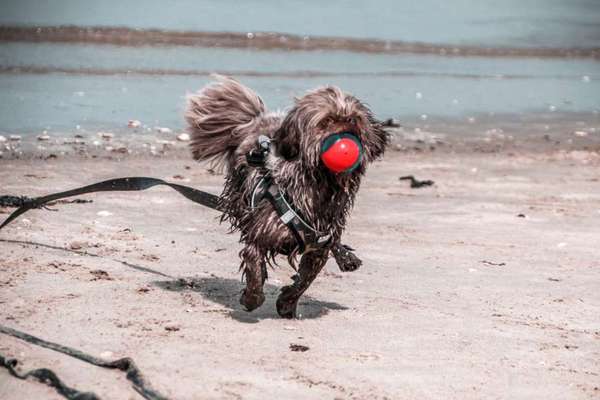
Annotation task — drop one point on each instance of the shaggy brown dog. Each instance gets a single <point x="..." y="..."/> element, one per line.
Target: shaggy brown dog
<point x="225" y="120"/>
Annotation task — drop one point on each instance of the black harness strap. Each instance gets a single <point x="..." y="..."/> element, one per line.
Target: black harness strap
<point x="286" y="214"/>
<point x="307" y="237"/>
<point x="124" y="364"/>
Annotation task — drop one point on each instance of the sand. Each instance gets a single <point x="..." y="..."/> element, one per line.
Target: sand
<point x="485" y="285"/>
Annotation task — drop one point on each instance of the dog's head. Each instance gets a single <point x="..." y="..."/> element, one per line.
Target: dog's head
<point x="320" y="114"/>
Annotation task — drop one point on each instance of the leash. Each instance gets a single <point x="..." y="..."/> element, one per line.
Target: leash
<point x="47" y="376"/>
<point x="306" y="236"/>
<point x="343" y="255"/>
<point x="119" y="184"/>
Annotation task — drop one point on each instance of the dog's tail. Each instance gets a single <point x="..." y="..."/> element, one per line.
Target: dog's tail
<point x="220" y="116"/>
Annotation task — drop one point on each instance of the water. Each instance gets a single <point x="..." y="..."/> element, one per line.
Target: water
<point x="58" y="86"/>
<point x="569" y="23"/>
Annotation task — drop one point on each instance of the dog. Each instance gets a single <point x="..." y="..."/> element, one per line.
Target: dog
<point x="226" y="121"/>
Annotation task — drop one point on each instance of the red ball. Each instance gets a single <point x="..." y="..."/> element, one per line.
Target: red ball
<point x="341" y="155"/>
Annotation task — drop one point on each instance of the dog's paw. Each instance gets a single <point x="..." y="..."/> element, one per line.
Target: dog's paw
<point x="346" y="260"/>
<point x="286" y="309"/>
<point x="287" y="302"/>
<point x="251" y="301"/>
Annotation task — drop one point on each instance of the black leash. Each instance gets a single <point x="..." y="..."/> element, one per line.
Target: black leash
<point x="45" y="375"/>
<point x="343" y="255"/>
<point x="118" y="184"/>
<point x="345" y="259"/>
<point x="13" y="201"/>
<point x="48" y="377"/>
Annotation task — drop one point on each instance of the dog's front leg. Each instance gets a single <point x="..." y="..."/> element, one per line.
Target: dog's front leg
<point x="310" y="265"/>
<point x="255" y="272"/>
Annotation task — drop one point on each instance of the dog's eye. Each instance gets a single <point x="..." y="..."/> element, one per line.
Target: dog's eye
<point x="326" y="122"/>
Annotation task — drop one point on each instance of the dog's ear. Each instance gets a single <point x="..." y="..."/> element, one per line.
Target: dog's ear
<point x="287" y="137"/>
<point x="376" y="138"/>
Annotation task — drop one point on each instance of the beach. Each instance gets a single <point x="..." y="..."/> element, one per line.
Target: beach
<point x="484" y="285"/>
<point x="482" y="282"/>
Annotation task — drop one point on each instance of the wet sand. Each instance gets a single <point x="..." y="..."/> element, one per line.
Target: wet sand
<point x="484" y="285"/>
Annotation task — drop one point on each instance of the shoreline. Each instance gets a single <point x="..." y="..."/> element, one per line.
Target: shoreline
<point x="500" y="134"/>
<point x="121" y="36"/>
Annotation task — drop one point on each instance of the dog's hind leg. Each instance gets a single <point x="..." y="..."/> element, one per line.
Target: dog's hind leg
<point x="255" y="272"/>
<point x="310" y="265"/>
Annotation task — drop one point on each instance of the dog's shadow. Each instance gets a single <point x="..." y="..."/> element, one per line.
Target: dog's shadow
<point x="226" y="292"/>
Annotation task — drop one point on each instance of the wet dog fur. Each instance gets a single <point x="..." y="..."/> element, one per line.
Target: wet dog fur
<point x="226" y="118"/>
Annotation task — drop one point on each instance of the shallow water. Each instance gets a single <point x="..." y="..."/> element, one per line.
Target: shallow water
<point x="57" y="86"/>
<point x="571" y="23"/>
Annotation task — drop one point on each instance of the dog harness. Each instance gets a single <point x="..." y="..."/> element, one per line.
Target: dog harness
<point x="307" y="237"/>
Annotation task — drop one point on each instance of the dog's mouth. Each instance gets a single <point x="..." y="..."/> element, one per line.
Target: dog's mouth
<point x="342" y="152"/>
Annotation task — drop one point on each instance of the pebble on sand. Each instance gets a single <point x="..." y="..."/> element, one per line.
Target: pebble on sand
<point x="121" y="149"/>
<point x="166" y="143"/>
<point x="172" y="327"/>
<point x="76" y="245"/>
<point x="298" y="347"/>
<point x="2" y="139"/>
<point x="391" y="123"/>
<point x="104" y="213"/>
<point x="580" y="133"/>
<point x="43" y="137"/>
<point x="106" y="135"/>
<point x="163" y="130"/>
<point x="183" y="137"/>
<point x="15" y="138"/>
